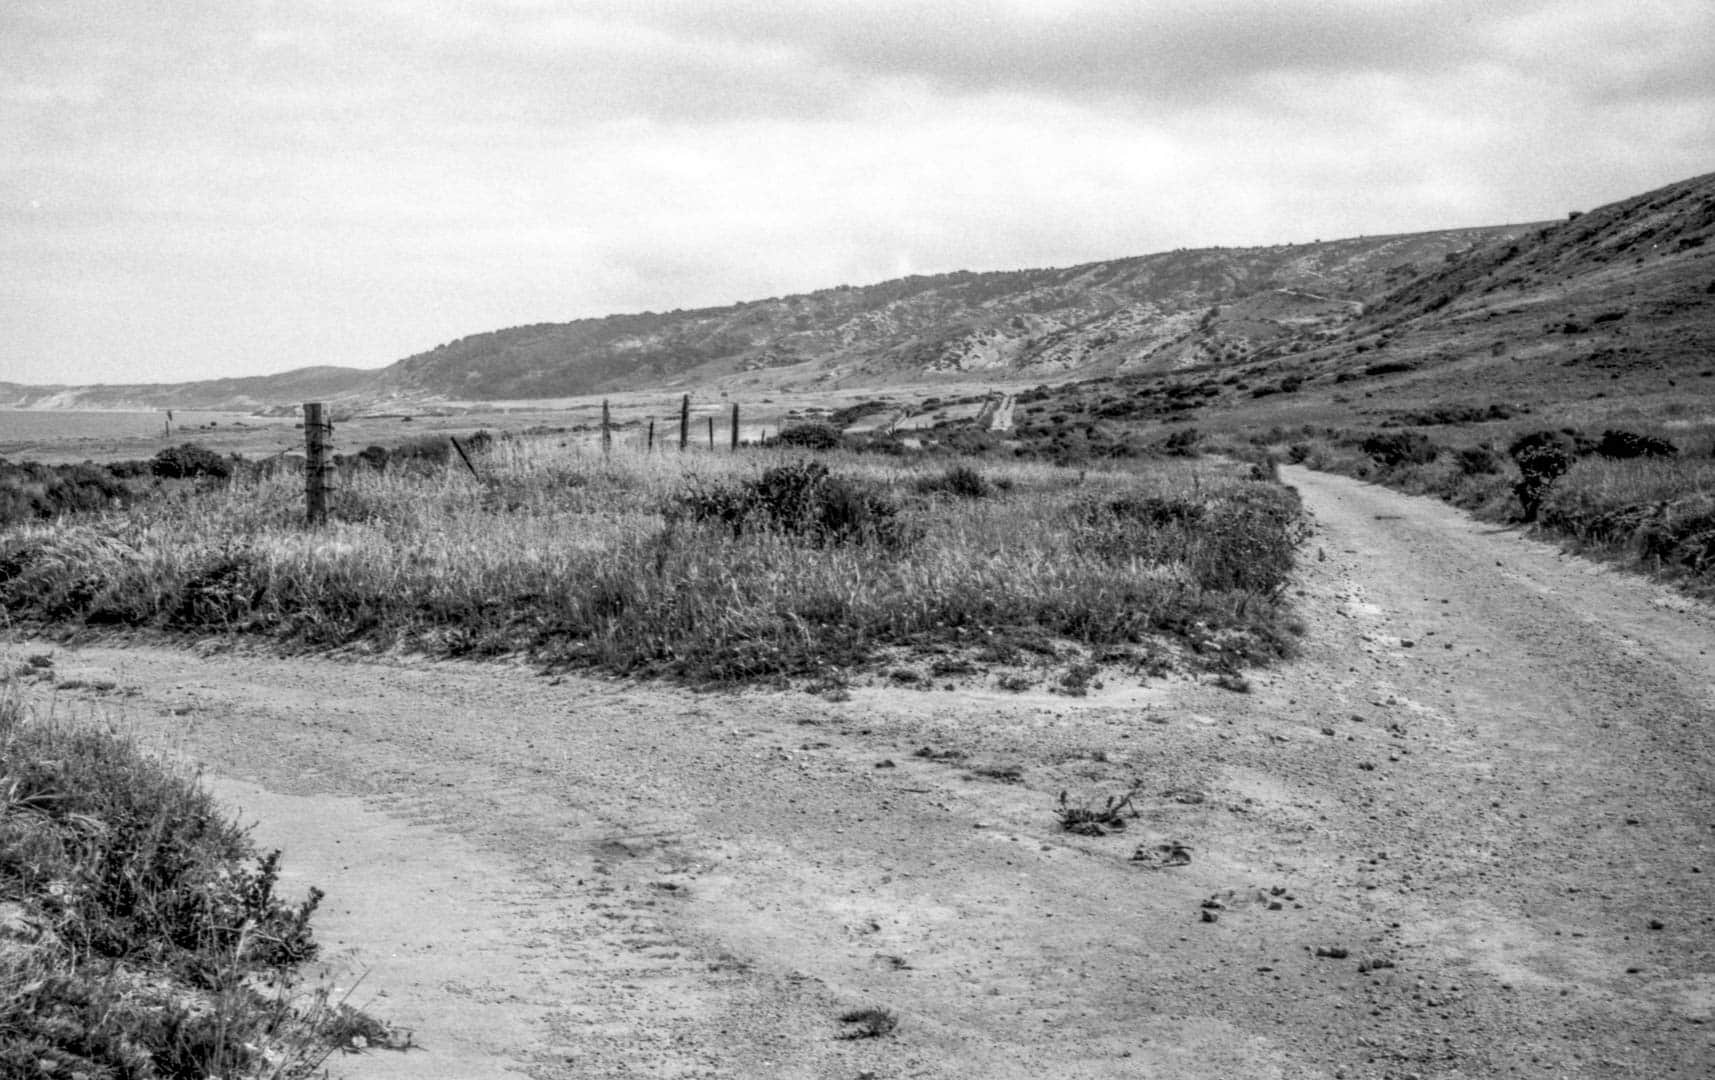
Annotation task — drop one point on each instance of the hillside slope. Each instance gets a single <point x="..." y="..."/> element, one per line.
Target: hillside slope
<point x="1146" y="313"/>
<point x="1623" y="294"/>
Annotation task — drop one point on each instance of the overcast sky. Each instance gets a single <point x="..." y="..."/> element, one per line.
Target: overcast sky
<point x="244" y="186"/>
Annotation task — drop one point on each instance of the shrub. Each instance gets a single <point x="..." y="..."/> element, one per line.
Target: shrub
<point x="811" y="436"/>
<point x="1630" y="444"/>
<point x="189" y="460"/>
<point x="1182" y="443"/>
<point x="161" y="921"/>
<point x="1542" y="458"/>
<point x="1478" y="461"/>
<point x="960" y="480"/>
<point x="800" y="499"/>
<point x="1395" y="448"/>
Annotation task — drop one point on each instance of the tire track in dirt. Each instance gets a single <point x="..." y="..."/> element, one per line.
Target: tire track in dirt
<point x="1490" y="777"/>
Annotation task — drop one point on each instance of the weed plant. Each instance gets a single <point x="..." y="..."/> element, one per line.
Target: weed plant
<point x="708" y="568"/>
<point x="144" y="934"/>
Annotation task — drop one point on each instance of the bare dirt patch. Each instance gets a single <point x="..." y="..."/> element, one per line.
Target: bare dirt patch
<point x="1469" y="833"/>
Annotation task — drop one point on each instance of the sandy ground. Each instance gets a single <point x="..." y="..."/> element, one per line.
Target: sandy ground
<point x="1470" y="833"/>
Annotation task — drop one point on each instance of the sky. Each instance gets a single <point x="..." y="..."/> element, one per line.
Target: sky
<point x="232" y="187"/>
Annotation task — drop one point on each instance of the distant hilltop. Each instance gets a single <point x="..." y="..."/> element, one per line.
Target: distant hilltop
<point x="1150" y="314"/>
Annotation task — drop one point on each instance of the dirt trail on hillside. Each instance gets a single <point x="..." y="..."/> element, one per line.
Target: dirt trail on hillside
<point x="1485" y="789"/>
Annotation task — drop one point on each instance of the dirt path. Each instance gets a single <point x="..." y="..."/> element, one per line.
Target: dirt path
<point x="1491" y="772"/>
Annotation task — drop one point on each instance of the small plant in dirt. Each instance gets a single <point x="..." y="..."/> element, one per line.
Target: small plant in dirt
<point x="1233" y="681"/>
<point x="868" y="1023"/>
<point x="1077" y="679"/>
<point x="1088" y="819"/>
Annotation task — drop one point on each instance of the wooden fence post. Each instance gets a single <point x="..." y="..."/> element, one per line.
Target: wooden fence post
<point x="684" y="422"/>
<point x="606" y="430"/>
<point x="649" y="447"/>
<point x="316" y="431"/>
<point x="735" y="427"/>
<point x="464" y="457"/>
<point x="711" y="433"/>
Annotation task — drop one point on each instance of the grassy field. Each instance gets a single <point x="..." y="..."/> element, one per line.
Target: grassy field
<point x="144" y="937"/>
<point x="708" y="568"/>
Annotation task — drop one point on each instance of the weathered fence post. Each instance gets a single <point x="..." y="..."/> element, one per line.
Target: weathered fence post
<point x="606" y="430"/>
<point x="735" y="427"/>
<point x="464" y="457"/>
<point x="316" y="431"/>
<point x="649" y="447"/>
<point x="684" y="422"/>
<point x="711" y="433"/>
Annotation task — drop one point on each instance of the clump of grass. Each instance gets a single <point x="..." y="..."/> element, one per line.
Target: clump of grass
<point x="703" y="568"/>
<point x="152" y="924"/>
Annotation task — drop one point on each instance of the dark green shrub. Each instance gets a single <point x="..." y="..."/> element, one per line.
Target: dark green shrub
<point x="800" y="499"/>
<point x="1395" y="448"/>
<point x="1478" y="461"/>
<point x="811" y="436"/>
<point x="189" y="460"/>
<point x="1630" y="444"/>
<point x="1542" y="458"/>
<point x="960" y="480"/>
<point x="1182" y="443"/>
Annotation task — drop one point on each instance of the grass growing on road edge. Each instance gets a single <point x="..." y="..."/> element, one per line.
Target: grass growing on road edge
<point x="140" y="932"/>
<point x="707" y="568"/>
<point x="1653" y="513"/>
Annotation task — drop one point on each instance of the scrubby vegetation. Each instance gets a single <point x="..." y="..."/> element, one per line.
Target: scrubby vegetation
<point x="707" y="568"/>
<point x="143" y="935"/>
<point x="1637" y="497"/>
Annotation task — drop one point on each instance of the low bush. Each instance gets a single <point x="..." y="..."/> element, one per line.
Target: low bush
<point x="1621" y="445"/>
<point x="154" y="921"/>
<point x="189" y="461"/>
<point x="958" y="480"/>
<point x="1542" y="458"/>
<point x="801" y="499"/>
<point x="1478" y="461"/>
<point x="1394" y="448"/>
<point x="809" y="436"/>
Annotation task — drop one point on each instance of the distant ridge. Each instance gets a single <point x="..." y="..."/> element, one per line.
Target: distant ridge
<point x="1135" y="316"/>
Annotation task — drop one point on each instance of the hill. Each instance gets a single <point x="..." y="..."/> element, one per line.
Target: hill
<point x="1623" y="289"/>
<point x="1148" y="313"/>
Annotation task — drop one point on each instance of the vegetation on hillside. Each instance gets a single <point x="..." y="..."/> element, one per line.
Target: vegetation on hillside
<point x="1643" y="499"/>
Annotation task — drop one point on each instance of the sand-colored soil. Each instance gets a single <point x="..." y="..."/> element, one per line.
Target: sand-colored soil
<point x="1492" y="771"/>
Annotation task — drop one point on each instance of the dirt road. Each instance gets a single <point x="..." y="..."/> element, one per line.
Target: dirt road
<point x="1487" y="789"/>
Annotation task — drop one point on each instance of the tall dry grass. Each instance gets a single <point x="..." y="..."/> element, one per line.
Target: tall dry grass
<point x="569" y="558"/>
